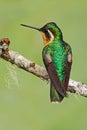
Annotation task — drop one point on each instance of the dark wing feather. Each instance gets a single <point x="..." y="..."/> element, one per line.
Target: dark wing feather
<point x="67" y="73"/>
<point x="53" y="75"/>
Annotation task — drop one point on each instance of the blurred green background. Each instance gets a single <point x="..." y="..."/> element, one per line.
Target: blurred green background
<point x="24" y="99"/>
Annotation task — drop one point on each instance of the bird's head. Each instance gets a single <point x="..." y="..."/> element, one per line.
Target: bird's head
<point x="49" y="31"/>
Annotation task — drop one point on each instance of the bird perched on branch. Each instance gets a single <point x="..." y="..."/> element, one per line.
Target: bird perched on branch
<point x="57" y="57"/>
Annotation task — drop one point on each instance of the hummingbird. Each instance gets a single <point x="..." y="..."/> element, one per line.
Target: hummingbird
<point x="57" y="58"/>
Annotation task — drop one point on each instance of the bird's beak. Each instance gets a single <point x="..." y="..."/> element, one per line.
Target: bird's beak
<point x="30" y="27"/>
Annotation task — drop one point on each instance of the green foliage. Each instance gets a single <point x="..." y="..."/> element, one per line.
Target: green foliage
<point x="24" y="98"/>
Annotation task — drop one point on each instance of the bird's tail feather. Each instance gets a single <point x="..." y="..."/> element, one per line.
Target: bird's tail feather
<point x="54" y="95"/>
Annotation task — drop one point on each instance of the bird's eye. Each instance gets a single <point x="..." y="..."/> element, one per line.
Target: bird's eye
<point x="45" y="30"/>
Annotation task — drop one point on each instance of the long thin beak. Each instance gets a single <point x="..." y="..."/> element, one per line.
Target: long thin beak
<point x="30" y="27"/>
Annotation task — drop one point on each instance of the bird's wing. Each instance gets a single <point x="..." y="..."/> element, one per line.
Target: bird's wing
<point x="53" y="75"/>
<point x="68" y="69"/>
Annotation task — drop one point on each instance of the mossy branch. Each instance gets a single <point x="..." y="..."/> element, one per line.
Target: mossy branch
<point x="31" y="67"/>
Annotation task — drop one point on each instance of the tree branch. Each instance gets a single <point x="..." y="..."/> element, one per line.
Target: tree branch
<point x="29" y="66"/>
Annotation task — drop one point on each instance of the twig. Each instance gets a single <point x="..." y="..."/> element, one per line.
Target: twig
<point x="29" y="66"/>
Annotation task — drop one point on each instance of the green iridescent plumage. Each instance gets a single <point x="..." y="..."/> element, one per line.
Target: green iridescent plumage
<point x="59" y="56"/>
